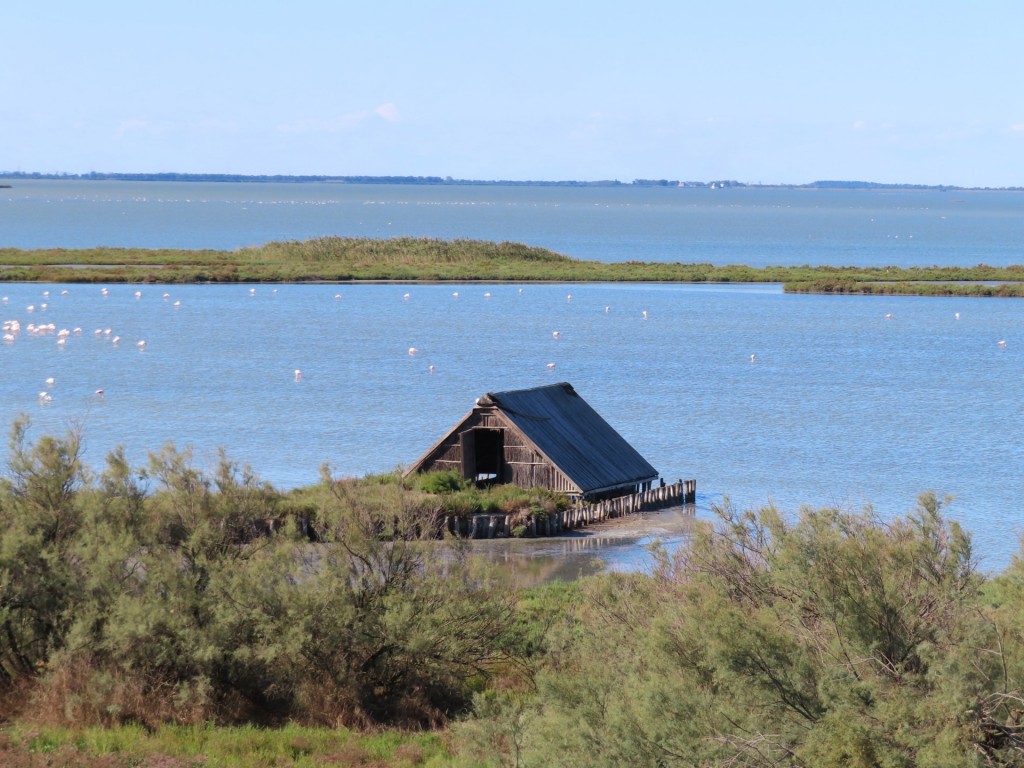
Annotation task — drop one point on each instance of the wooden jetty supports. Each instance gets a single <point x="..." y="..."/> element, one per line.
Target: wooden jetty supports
<point x="680" y="493"/>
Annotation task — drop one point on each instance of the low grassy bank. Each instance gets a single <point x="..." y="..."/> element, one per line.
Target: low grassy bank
<point x="905" y="288"/>
<point x="425" y="259"/>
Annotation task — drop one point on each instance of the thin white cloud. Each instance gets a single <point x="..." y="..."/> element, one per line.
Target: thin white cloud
<point x="388" y="112"/>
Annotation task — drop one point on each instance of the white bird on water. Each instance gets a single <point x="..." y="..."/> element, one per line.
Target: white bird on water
<point x="49" y="382"/>
<point x="957" y="316"/>
<point x="138" y="294"/>
<point x="645" y="314"/>
<point x="413" y="350"/>
<point x="141" y="344"/>
<point x="298" y="375"/>
<point x="551" y="366"/>
<point x="555" y="334"/>
<point x="753" y="358"/>
<point x="1001" y="343"/>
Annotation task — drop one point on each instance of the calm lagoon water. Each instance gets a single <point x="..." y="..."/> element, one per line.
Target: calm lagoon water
<point x="841" y="405"/>
<point x="727" y="226"/>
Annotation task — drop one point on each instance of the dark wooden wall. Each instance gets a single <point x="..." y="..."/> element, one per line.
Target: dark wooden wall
<point x="523" y="466"/>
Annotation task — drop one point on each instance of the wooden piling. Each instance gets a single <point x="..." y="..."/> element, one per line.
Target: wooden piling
<point x="680" y="493"/>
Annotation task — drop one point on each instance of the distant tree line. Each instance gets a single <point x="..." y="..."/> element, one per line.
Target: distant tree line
<point x="304" y="179"/>
<point x="449" y="181"/>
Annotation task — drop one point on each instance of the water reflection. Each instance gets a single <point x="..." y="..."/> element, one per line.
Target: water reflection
<point x="621" y="545"/>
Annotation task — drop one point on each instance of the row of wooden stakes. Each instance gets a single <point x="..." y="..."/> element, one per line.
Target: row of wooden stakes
<point x="491" y="526"/>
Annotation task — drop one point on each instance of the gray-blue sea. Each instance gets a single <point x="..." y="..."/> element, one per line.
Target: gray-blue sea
<point x="760" y="396"/>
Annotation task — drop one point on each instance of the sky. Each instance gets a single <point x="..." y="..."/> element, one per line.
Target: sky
<point x="892" y="91"/>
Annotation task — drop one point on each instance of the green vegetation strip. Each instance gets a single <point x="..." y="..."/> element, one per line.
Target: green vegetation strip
<point x="904" y="288"/>
<point x="176" y="746"/>
<point x="425" y="259"/>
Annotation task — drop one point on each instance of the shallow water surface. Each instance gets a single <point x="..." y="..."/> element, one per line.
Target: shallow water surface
<point x="847" y="400"/>
<point x="758" y="226"/>
<point x="622" y="544"/>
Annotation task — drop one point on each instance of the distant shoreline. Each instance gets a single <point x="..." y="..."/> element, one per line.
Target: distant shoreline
<point x="714" y="184"/>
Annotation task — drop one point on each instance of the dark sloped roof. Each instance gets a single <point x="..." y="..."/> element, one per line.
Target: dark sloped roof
<point x="573" y="436"/>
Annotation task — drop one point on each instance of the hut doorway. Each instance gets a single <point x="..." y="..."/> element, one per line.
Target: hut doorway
<point x="483" y="455"/>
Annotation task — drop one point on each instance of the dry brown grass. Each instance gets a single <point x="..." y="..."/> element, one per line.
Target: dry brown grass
<point x="78" y="694"/>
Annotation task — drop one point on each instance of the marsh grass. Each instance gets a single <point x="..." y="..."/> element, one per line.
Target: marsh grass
<point x="462" y="498"/>
<point x="907" y="288"/>
<point x="434" y="260"/>
<point x="172" y="746"/>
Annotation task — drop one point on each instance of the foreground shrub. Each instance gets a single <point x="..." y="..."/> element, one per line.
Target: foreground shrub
<point x="41" y="517"/>
<point x="174" y="595"/>
<point x="834" y="639"/>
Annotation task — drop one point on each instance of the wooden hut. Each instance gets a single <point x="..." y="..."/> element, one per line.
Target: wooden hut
<point x="546" y="437"/>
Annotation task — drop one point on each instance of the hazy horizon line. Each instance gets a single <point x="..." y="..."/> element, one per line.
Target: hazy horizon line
<point x="451" y="181"/>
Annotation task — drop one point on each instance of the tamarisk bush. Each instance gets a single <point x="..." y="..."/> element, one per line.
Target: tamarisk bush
<point x="174" y="594"/>
<point x="833" y="638"/>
